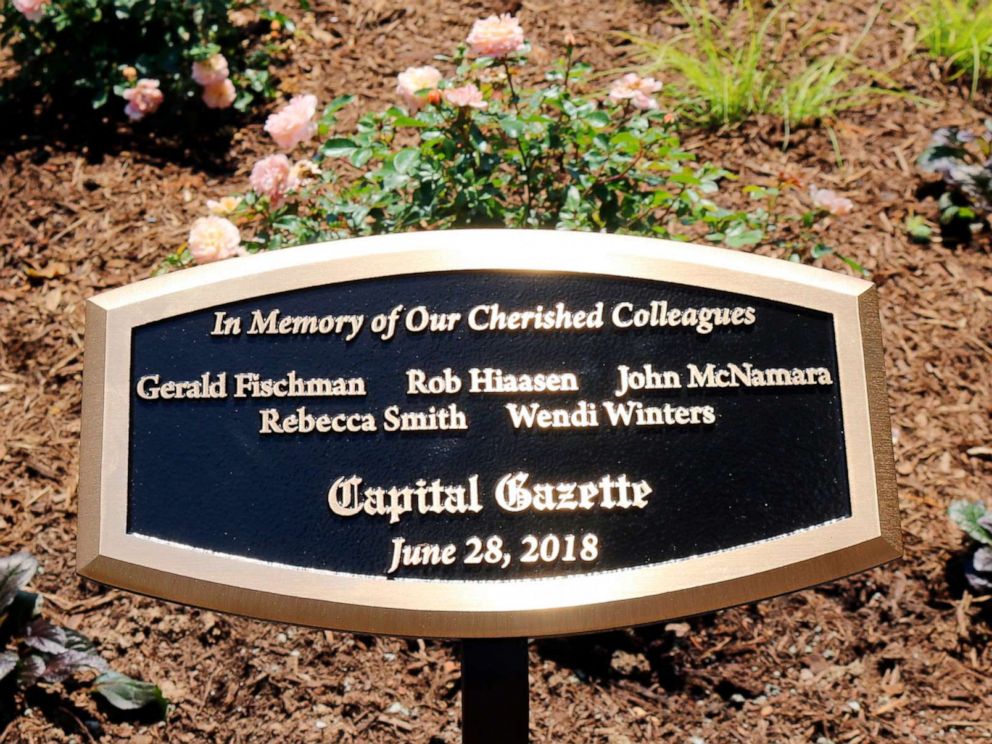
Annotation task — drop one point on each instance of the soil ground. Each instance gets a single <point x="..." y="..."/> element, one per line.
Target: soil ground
<point x="895" y="654"/>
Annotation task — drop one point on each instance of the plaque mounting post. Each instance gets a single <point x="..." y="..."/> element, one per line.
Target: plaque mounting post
<point x="495" y="691"/>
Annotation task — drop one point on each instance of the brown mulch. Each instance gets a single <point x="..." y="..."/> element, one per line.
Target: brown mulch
<point x="895" y="654"/>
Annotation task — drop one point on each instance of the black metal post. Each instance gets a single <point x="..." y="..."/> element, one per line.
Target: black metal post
<point x="495" y="691"/>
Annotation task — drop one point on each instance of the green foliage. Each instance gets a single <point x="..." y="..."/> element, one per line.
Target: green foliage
<point x="918" y="228"/>
<point x="973" y="518"/>
<point x="820" y="92"/>
<point x="81" y="53"/>
<point x="125" y="693"/>
<point x="958" y="32"/>
<point x="963" y="160"/>
<point x="720" y="79"/>
<point x="34" y="651"/>
<point x="548" y="157"/>
<point x="797" y="237"/>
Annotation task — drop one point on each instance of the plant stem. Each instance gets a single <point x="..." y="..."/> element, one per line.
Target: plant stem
<point x="513" y="92"/>
<point x="528" y="186"/>
<point x="671" y="204"/>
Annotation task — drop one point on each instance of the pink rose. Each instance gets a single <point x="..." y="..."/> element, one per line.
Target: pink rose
<point x="414" y="79"/>
<point x="220" y="95"/>
<point x="211" y="70"/>
<point x="829" y="201"/>
<point x="467" y="95"/>
<point x="33" y="10"/>
<point x="143" y="99"/>
<point x="214" y="238"/>
<point x="273" y="177"/>
<point x="293" y="123"/>
<point x="639" y="91"/>
<point x="496" y="36"/>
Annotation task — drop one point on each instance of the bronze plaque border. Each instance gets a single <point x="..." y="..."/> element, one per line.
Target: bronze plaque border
<point x="465" y="609"/>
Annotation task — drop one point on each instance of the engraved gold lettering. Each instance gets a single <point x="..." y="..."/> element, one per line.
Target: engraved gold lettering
<point x="646" y="378"/>
<point x="494" y="318"/>
<point x="251" y="385"/>
<point x="423" y="554"/>
<point x="659" y="315"/>
<point x="747" y="375"/>
<point x="514" y="494"/>
<point x="489" y="380"/>
<point x="448" y="418"/>
<point x="345" y="500"/>
<point x="304" y="422"/>
<point x="418" y="383"/>
<point x="420" y="319"/>
<point x="584" y="415"/>
<point x="274" y="323"/>
<point x="150" y="387"/>
<point x="635" y="413"/>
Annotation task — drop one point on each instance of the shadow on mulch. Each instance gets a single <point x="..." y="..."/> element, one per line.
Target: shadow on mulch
<point x="200" y="141"/>
<point x="646" y="655"/>
<point x="956" y="571"/>
<point x="59" y="710"/>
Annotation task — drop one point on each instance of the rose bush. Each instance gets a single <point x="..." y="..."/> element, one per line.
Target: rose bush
<point x="473" y="147"/>
<point x="148" y="59"/>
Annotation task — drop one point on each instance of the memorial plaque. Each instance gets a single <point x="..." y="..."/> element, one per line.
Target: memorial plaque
<point x="485" y="433"/>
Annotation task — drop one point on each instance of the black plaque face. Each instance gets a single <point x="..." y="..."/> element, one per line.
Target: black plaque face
<point x="421" y="442"/>
<point x="726" y="465"/>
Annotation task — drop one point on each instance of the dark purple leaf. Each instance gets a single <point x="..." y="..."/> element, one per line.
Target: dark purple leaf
<point x="77" y="641"/>
<point x="42" y="636"/>
<point x="979" y="571"/>
<point x="982" y="560"/>
<point x="29" y="671"/>
<point x="69" y="662"/>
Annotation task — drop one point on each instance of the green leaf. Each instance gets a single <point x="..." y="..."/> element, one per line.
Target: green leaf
<point x="337" y="147"/>
<point x="598" y="119"/>
<point x="99" y="99"/>
<point x="626" y="142"/>
<point x="391" y="180"/>
<point x="512" y="126"/>
<point x="125" y="693"/>
<point x="966" y="515"/>
<point x="738" y="237"/>
<point x="686" y="177"/>
<point x="406" y="159"/>
<point x="402" y="120"/>
<point x="337" y="104"/>
<point x="918" y="228"/>
<point x="361" y="156"/>
<point x="853" y="265"/>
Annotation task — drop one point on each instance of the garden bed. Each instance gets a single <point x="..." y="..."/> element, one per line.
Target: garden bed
<point x="898" y="653"/>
